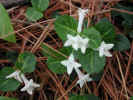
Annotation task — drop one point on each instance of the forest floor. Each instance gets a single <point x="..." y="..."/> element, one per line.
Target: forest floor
<point x="116" y="83"/>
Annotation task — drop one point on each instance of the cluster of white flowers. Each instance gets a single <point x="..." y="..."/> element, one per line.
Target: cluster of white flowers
<point x="77" y="42"/>
<point x="29" y="84"/>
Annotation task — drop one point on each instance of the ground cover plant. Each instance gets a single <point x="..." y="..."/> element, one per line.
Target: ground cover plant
<point x="66" y="50"/>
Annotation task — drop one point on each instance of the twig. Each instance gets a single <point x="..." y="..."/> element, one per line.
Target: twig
<point x="123" y="79"/>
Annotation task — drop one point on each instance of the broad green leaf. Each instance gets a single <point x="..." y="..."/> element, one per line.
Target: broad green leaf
<point x="26" y="62"/>
<point x="7" y="84"/>
<point x="122" y="43"/>
<point x="65" y="25"/>
<point x="40" y="5"/>
<point x="123" y="20"/>
<point x="55" y="57"/>
<point x="6" y="28"/>
<point x="94" y="37"/>
<point x="33" y="15"/>
<point x="84" y="97"/>
<point x="6" y="98"/>
<point x="106" y="29"/>
<point x="91" y="61"/>
<point x="55" y="65"/>
<point x="12" y="56"/>
<point x="49" y="51"/>
<point x="131" y="98"/>
<point x="6" y="71"/>
<point x="130" y="34"/>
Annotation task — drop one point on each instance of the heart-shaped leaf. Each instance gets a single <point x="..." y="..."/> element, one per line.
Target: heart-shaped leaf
<point x="7" y="84"/>
<point x="55" y="65"/>
<point x="26" y="62"/>
<point x="121" y="43"/>
<point x="106" y="29"/>
<point x="94" y="37"/>
<point x="6" y="28"/>
<point x="33" y="15"/>
<point x="65" y="25"/>
<point x="84" y="97"/>
<point x="91" y="61"/>
<point x="40" y="5"/>
<point x="6" y="98"/>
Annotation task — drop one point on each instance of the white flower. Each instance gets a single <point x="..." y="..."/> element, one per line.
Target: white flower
<point x="15" y="75"/>
<point x="104" y="49"/>
<point x="29" y="85"/>
<point x="70" y="64"/>
<point x="77" y="42"/>
<point x="82" y="78"/>
<point x="81" y="14"/>
<point x="71" y="41"/>
<point x="82" y="43"/>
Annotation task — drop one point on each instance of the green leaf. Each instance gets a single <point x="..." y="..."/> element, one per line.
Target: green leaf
<point x="6" y="28"/>
<point x="65" y="25"/>
<point x="91" y="61"/>
<point x="26" y="62"/>
<point x="6" y="98"/>
<point x="94" y="36"/>
<point x="55" y="57"/>
<point x="12" y="56"/>
<point x="7" y="84"/>
<point x="122" y="43"/>
<point x="40" y="5"/>
<point x="131" y="98"/>
<point x="130" y="34"/>
<point x="84" y="97"/>
<point x="33" y="15"/>
<point x="125" y="20"/>
<point x="106" y="29"/>
<point x="50" y="51"/>
<point x="55" y="65"/>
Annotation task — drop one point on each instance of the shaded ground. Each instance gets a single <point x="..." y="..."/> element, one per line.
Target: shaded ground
<point x="115" y="83"/>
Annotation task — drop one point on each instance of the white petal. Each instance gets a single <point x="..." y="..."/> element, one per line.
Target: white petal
<point x="80" y="74"/>
<point x="19" y="79"/>
<point x="68" y="43"/>
<point x="108" y="54"/>
<point x="81" y="83"/>
<point x="101" y="52"/>
<point x="64" y="62"/>
<point x="77" y="65"/>
<point x="85" y="41"/>
<point x="69" y="36"/>
<point x="103" y="44"/>
<point x="69" y="70"/>
<point x="79" y="29"/>
<point x="81" y="14"/>
<point x="83" y="49"/>
<point x="30" y="92"/>
<point x="71" y="58"/>
<point x="78" y="38"/>
<point x="24" y="88"/>
<point x="75" y="46"/>
<point x="70" y="40"/>
<point x="25" y="80"/>
<point x="36" y="85"/>
<point x="15" y="75"/>
<point x="89" y="79"/>
<point x="109" y="46"/>
<point x="82" y="11"/>
<point x="10" y="76"/>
